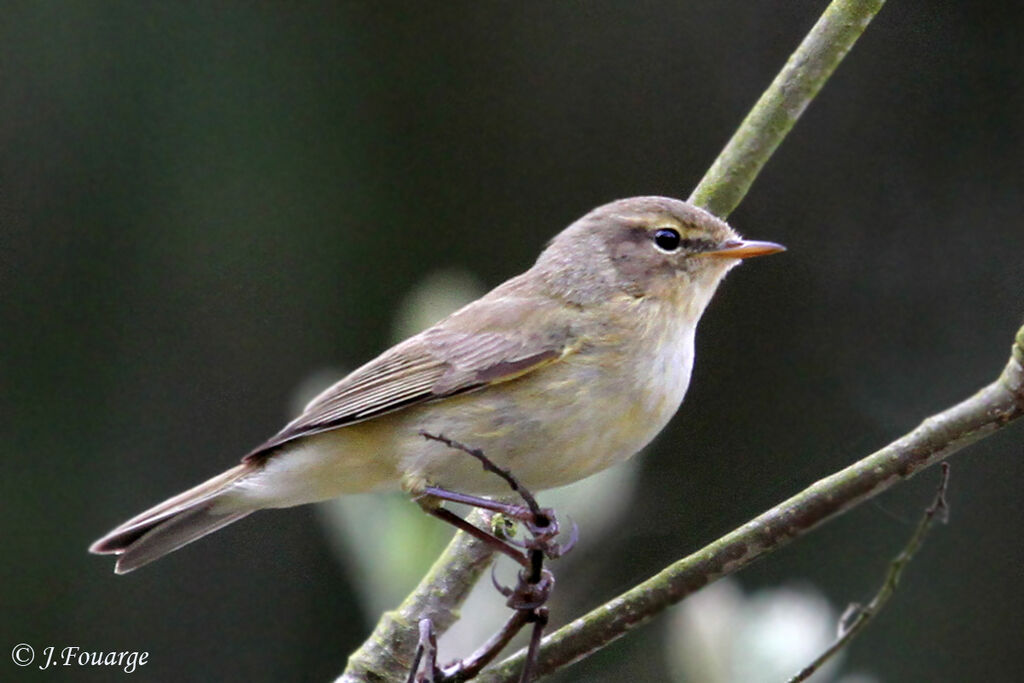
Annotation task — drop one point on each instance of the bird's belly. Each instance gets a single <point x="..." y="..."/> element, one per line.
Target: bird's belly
<point x="549" y="428"/>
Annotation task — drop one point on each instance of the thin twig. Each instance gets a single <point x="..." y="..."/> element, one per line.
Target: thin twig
<point x="471" y="665"/>
<point x="858" y="616"/>
<point x="489" y="466"/>
<point x="427" y="651"/>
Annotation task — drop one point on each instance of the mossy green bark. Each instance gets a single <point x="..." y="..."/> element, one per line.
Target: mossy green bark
<point x="388" y="653"/>
<point x="727" y="181"/>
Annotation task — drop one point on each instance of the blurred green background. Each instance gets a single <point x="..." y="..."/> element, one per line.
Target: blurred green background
<point x="204" y="204"/>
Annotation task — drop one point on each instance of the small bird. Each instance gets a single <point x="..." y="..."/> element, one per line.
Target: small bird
<point x="556" y="374"/>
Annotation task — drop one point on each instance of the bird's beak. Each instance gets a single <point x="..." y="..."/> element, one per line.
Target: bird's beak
<point x="745" y="249"/>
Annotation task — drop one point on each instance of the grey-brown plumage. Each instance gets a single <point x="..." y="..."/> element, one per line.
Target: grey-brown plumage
<point x="435" y="364"/>
<point x="172" y="524"/>
<point x="556" y="374"/>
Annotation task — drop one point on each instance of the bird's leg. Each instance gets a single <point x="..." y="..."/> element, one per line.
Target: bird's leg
<point x="490" y="539"/>
<point x="540" y="620"/>
<point x="465" y="669"/>
<point x="534" y="582"/>
<point x="527" y="601"/>
<point x="540" y="522"/>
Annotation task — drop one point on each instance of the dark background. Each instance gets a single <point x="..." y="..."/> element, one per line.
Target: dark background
<point x="202" y="203"/>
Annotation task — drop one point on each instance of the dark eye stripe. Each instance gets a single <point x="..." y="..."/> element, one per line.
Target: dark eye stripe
<point x="697" y="244"/>
<point x="669" y="239"/>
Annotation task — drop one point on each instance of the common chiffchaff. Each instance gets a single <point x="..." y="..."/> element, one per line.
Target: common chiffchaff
<point x="556" y="374"/>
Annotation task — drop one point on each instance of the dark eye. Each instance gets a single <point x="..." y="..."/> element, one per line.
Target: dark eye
<point x="667" y="239"/>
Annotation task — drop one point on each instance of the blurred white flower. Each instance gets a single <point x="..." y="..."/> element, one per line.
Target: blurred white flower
<point x="721" y="635"/>
<point x="386" y="543"/>
<point x="438" y="294"/>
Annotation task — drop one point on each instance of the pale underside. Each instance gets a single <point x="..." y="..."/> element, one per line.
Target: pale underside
<point x="595" y="404"/>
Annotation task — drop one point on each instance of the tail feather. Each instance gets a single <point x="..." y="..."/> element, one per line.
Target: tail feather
<point x="172" y="534"/>
<point x="173" y="523"/>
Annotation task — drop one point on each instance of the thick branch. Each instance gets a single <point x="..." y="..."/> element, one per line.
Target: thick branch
<point x="727" y="181"/>
<point x="388" y="653"/>
<point x="935" y="439"/>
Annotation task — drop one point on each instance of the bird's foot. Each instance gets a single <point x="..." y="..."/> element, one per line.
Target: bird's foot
<point x="534" y="583"/>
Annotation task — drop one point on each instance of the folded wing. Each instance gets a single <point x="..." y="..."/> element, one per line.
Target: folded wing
<point x="448" y="359"/>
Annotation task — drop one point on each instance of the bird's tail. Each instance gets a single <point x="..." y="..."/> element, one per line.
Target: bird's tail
<point x="175" y="522"/>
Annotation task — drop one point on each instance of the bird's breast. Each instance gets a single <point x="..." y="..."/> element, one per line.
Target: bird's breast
<point x="567" y="420"/>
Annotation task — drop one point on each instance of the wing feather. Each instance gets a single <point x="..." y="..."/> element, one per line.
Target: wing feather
<point x="445" y="360"/>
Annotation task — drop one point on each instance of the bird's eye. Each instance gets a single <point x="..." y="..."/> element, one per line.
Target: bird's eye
<point x="667" y="239"/>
